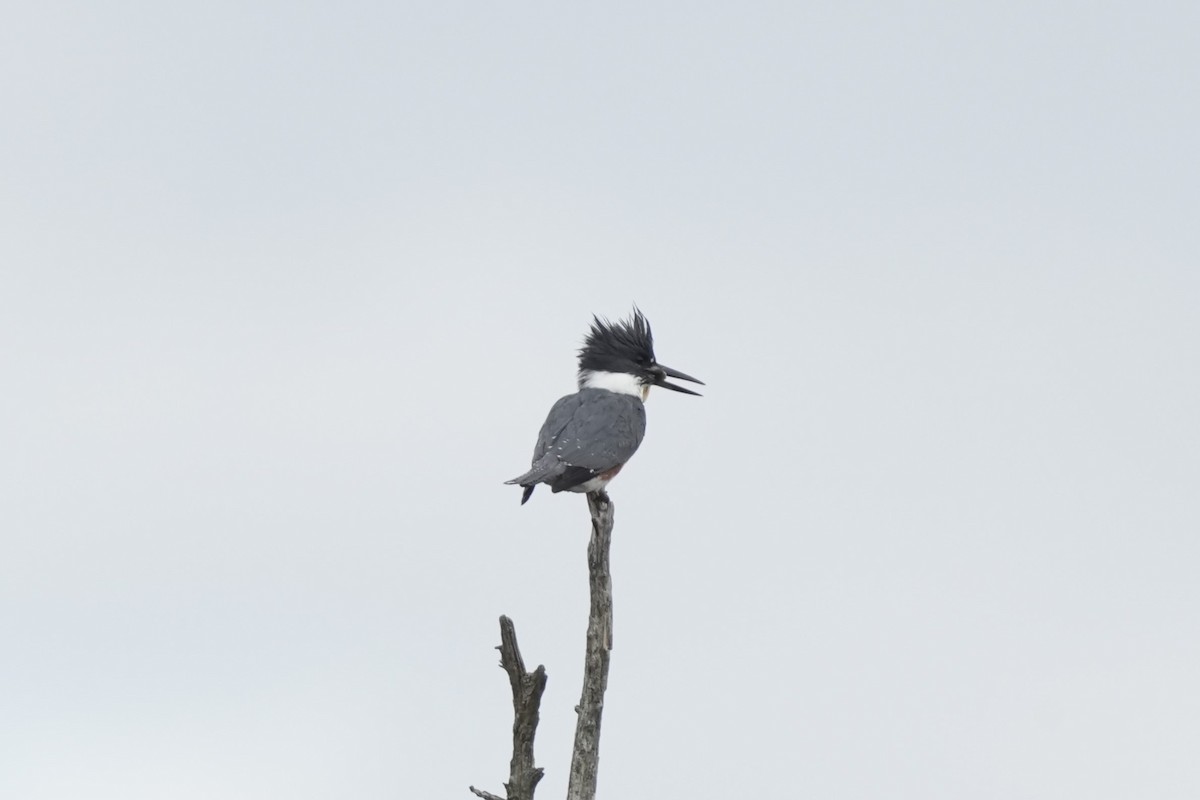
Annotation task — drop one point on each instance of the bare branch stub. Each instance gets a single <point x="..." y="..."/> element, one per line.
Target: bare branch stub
<point x="585" y="757"/>
<point x="527" y="689"/>
<point x="484" y="795"/>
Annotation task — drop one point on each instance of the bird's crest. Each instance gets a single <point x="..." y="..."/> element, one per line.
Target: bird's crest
<point x="610" y="343"/>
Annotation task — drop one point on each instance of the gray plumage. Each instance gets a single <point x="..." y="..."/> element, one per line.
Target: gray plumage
<point x="586" y="434"/>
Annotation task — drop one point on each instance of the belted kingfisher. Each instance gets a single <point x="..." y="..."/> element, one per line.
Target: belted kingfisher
<point x="588" y="436"/>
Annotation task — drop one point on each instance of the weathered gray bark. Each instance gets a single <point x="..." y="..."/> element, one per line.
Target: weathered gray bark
<point x="585" y="758"/>
<point x="527" y="688"/>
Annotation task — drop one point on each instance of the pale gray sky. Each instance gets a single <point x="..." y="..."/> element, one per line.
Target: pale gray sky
<point x="287" y="289"/>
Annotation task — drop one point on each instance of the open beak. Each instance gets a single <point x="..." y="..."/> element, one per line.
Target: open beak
<point x="661" y="374"/>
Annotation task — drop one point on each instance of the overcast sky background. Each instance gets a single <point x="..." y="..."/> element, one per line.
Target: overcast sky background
<point x="287" y="289"/>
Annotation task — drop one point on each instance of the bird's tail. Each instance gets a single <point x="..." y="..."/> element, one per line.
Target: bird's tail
<point x="543" y="470"/>
<point x="527" y="486"/>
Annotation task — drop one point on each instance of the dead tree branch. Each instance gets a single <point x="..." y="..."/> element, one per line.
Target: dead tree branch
<point x="585" y="758"/>
<point x="527" y="688"/>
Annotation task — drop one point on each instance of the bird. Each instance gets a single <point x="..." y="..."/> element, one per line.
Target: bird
<point x="588" y="436"/>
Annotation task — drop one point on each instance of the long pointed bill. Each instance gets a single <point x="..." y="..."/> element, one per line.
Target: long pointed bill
<point x="667" y="372"/>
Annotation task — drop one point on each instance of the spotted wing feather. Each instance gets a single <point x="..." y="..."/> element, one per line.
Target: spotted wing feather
<point x="585" y="433"/>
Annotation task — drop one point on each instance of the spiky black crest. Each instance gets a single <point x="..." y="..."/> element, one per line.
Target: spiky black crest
<point x="615" y="346"/>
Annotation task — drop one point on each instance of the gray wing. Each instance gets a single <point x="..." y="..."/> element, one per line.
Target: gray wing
<point x="584" y="434"/>
<point x="593" y="429"/>
<point x="557" y="420"/>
